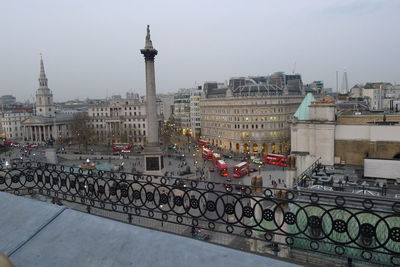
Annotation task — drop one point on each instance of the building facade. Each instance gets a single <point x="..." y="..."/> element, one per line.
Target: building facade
<point x="195" y="118"/>
<point x="7" y="100"/>
<point x="46" y="125"/>
<point x="181" y="111"/>
<point x="251" y="114"/>
<point x="167" y="104"/>
<point x="320" y="132"/>
<point x="120" y="120"/>
<point x="11" y="123"/>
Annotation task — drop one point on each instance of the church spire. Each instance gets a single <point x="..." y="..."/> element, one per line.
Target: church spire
<point x="42" y="77"/>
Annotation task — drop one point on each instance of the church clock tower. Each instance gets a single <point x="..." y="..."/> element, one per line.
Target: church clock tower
<point x="44" y="97"/>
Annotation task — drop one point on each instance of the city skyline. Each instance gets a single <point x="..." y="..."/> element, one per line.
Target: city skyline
<point x="90" y="49"/>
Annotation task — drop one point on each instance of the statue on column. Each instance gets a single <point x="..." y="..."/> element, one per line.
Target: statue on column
<point x="148" y="33"/>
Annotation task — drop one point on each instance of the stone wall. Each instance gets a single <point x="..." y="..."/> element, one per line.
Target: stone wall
<point x="365" y="119"/>
<point x="353" y="152"/>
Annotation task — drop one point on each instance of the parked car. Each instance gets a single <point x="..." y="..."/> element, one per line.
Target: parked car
<point x="329" y="170"/>
<point x="366" y="193"/>
<point x="257" y="161"/>
<point x="321" y="187"/>
<point x="227" y="156"/>
<point x="322" y="177"/>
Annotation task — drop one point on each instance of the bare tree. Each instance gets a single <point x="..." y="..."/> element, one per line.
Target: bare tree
<point x="81" y="131"/>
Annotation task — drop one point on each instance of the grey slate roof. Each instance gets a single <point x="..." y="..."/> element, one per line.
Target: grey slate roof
<point x="36" y="233"/>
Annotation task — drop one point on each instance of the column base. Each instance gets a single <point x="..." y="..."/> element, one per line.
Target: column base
<point x="153" y="161"/>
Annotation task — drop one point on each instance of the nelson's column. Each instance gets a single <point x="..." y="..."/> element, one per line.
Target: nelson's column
<point x="153" y="156"/>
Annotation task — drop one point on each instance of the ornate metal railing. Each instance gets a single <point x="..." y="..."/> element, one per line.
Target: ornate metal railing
<point x="323" y="223"/>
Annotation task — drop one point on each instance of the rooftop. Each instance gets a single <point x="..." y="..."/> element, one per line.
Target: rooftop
<point x="36" y="233"/>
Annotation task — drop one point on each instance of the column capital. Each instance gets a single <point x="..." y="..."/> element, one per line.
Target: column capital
<point x="149" y="54"/>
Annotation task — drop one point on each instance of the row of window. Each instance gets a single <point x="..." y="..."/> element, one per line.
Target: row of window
<point x="244" y="126"/>
<point x="116" y="114"/>
<point x="135" y="133"/>
<point x="111" y="108"/>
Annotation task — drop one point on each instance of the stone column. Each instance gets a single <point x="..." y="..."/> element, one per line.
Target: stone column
<point x="40" y="133"/>
<point x="154" y="162"/>
<point x="34" y="133"/>
<point x="151" y="107"/>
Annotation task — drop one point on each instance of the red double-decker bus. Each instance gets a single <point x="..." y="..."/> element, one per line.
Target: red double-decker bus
<point x="207" y="154"/>
<point x="222" y="168"/>
<point x="215" y="158"/>
<point x="241" y="169"/>
<point x="121" y="147"/>
<point x="202" y="143"/>
<point x="275" y="159"/>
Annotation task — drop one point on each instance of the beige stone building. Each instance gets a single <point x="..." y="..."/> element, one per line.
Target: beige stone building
<point x="120" y="120"/>
<point x="249" y="115"/>
<point x="318" y="131"/>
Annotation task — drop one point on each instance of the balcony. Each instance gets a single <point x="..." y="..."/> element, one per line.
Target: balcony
<point x="321" y="226"/>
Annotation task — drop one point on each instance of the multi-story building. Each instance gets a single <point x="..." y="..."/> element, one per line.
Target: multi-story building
<point x="181" y="113"/>
<point x="319" y="131"/>
<point x="11" y="123"/>
<point x="251" y="114"/>
<point x="167" y="104"/>
<point x="120" y="120"/>
<point x="132" y="95"/>
<point x="316" y="87"/>
<point x="7" y="100"/>
<point x="195" y="125"/>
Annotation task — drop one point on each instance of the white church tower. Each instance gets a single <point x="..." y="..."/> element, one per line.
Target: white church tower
<point x="44" y="97"/>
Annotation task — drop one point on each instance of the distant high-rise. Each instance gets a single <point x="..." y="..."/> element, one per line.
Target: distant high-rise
<point x="132" y="95"/>
<point x="345" y="83"/>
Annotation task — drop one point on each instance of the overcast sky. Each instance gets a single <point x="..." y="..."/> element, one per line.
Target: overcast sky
<point x="91" y="47"/>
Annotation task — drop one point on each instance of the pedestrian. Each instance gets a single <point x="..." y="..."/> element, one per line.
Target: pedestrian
<point x="193" y="230"/>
